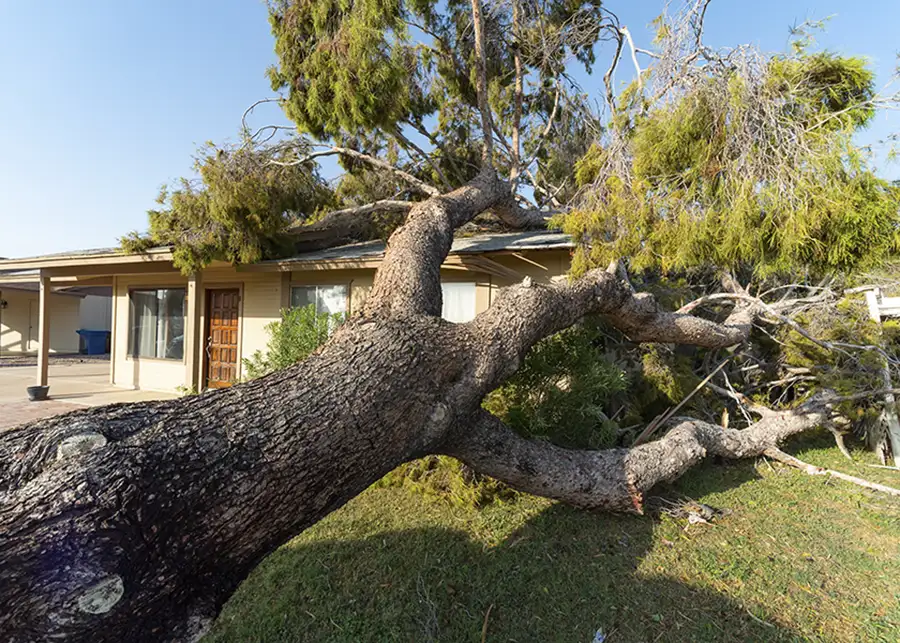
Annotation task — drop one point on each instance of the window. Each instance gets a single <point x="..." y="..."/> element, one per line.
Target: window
<point x="157" y="323"/>
<point x="459" y="301"/>
<point x="326" y="299"/>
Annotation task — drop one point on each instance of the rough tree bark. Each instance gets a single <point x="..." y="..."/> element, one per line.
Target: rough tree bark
<point x="137" y="522"/>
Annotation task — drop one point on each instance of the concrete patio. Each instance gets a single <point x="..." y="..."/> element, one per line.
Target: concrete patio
<point x="72" y="386"/>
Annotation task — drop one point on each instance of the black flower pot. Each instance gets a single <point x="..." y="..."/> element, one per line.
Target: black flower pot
<point x="37" y="393"/>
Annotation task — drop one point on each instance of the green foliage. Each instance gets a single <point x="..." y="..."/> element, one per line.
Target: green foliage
<point x="349" y="66"/>
<point x="563" y="391"/>
<point x="299" y="332"/>
<point x="236" y="211"/>
<point x="372" y="68"/>
<point x="448" y="480"/>
<point x="743" y="169"/>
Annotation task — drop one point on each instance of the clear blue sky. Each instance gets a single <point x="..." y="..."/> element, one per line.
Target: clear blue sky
<point x="104" y="101"/>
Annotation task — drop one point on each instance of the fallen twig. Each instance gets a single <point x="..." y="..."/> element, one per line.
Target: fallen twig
<point x="659" y="421"/>
<point x="487" y="615"/>
<point x="781" y="456"/>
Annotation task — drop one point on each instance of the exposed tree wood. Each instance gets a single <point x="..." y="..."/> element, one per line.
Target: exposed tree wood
<point x="517" y="97"/>
<point x="340" y="227"/>
<point x="781" y="456"/>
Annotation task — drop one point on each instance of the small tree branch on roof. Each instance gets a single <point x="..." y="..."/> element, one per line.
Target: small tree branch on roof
<point x="415" y="182"/>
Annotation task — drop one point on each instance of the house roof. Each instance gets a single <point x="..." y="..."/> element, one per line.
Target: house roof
<point x="476" y="244"/>
<point x="90" y="257"/>
<point x="106" y="260"/>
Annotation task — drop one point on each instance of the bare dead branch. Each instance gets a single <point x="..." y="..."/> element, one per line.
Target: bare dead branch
<point x="638" y="72"/>
<point x="416" y="183"/>
<point x="781" y="456"/>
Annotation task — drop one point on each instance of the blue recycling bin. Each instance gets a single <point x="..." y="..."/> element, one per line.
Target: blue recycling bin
<point x="95" y="341"/>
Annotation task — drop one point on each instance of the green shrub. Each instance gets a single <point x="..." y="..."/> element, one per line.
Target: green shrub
<point x="564" y="390"/>
<point x="299" y="332"/>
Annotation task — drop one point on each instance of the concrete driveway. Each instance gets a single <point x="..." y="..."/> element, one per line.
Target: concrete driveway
<point x="72" y="386"/>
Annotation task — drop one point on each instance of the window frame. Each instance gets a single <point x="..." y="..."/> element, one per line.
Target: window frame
<point x="345" y="286"/>
<point x="130" y="352"/>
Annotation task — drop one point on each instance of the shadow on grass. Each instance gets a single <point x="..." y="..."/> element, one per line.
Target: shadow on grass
<point x="560" y="576"/>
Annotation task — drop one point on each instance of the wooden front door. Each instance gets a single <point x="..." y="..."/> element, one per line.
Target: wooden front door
<point x="222" y="313"/>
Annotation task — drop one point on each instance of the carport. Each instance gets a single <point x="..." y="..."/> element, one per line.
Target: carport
<point x="82" y="272"/>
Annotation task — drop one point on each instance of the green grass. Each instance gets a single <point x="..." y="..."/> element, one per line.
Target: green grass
<point x="798" y="558"/>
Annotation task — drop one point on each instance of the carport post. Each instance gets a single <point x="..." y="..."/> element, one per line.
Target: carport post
<point x="192" y="331"/>
<point x="43" y="330"/>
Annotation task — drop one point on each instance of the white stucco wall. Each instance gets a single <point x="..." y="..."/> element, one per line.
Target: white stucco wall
<point x="19" y="323"/>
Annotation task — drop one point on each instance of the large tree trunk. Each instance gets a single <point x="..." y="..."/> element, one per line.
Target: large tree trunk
<point x="137" y="522"/>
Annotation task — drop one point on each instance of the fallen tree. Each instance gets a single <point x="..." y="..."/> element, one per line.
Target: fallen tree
<point x="137" y="522"/>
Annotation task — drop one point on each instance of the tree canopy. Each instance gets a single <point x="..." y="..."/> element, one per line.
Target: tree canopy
<point x="749" y="164"/>
<point x="733" y="158"/>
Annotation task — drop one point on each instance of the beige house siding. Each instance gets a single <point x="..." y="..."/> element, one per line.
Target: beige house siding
<point x="263" y="294"/>
<point x="16" y="334"/>
<point x="556" y="262"/>
<point x="260" y="305"/>
<point x="141" y="372"/>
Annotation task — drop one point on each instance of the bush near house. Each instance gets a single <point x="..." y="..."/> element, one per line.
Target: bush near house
<point x="297" y="334"/>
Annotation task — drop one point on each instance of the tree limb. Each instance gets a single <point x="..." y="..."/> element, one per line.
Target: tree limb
<point x="781" y="456"/>
<point x="348" y="225"/>
<point x="517" y="98"/>
<point x="415" y="182"/>
<point x="409" y="280"/>
<point x="481" y="84"/>
<point x="624" y="31"/>
<point x="525" y="313"/>
<point x="614" y="479"/>
<point x="608" y="76"/>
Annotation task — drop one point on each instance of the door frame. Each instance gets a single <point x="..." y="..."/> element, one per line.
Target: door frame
<point x="204" y="324"/>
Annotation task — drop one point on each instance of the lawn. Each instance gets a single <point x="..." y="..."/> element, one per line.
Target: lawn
<point x="797" y="558"/>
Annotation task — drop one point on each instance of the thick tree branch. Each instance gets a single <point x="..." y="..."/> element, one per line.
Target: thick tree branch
<point x="615" y="479"/>
<point x="348" y="225"/>
<point x="524" y="314"/>
<point x="517" y="97"/>
<point x="409" y="280"/>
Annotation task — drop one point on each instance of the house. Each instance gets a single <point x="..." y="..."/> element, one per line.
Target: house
<point x="71" y="308"/>
<point x="172" y="332"/>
